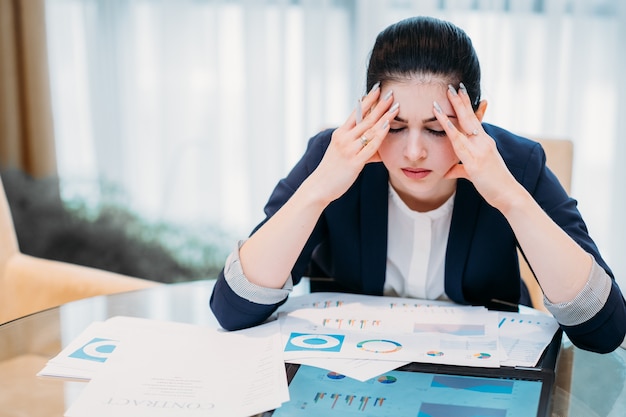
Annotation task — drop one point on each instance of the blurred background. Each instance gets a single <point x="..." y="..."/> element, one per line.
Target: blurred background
<point x="179" y="116"/>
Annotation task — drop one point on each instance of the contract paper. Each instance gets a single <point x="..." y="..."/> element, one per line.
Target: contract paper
<point x="187" y="371"/>
<point x="84" y="356"/>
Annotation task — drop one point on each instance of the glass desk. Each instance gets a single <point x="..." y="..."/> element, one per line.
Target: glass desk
<point x="588" y="384"/>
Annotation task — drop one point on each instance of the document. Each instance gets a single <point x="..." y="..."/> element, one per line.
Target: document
<point x="348" y="301"/>
<point x="524" y="337"/>
<point x="358" y="369"/>
<point x="85" y="355"/>
<point x="148" y="368"/>
<point x="88" y="353"/>
<point x="364" y="336"/>
<point x="395" y="331"/>
<point x="187" y="371"/>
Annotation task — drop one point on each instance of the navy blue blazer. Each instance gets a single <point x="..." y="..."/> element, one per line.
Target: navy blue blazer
<point x="349" y="242"/>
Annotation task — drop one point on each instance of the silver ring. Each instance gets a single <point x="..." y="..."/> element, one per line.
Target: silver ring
<point x="364" y="140"/>
<point x="475" y="132"/>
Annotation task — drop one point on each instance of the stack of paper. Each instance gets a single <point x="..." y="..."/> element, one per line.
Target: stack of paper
<point x="143" y="367"/>
<point x="364" y="336"/>
<point x="150" y="368"/>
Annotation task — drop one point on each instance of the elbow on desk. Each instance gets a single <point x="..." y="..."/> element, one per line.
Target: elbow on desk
<point x="609" y="342"/>
<point x="604" y="332"/>
<point x="235" y="313"/>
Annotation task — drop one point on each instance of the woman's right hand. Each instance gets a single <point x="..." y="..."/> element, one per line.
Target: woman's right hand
<point x="354" y="144"/>
<point x="268" y="256"/>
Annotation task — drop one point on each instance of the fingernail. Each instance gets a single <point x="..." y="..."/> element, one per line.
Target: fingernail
<point x="437" y="107"/>
<point x="463" y="89"/>
<point x="375" y="87"/>
<point x="394" y="107"/>
<point x="452" y="90"/>
<point x="386" y="124"/>
<point x="389" y="93"/>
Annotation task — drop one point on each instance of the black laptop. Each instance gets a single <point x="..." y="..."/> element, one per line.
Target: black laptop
<point x="425" y="390"/>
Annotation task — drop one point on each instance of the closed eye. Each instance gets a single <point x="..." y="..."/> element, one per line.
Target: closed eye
<point x="440" y="133"/>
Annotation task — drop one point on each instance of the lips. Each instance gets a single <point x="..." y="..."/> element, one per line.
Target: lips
<point x="416" y="173"/>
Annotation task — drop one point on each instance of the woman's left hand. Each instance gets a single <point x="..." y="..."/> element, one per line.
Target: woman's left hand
<point x="481" y="163"/>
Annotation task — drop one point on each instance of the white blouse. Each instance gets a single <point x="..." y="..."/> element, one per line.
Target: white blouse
<point x="416" y="249"/>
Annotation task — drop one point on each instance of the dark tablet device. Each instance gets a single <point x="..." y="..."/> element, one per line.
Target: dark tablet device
<point x="425" y="390"/>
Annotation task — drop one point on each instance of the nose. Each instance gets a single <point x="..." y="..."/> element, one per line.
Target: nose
<point x="415" y="148"/>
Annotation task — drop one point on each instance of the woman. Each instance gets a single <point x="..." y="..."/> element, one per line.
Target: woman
<point x="421" y="199"/>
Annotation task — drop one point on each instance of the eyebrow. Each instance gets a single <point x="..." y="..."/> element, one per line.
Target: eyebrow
<point x="429" y="120"/>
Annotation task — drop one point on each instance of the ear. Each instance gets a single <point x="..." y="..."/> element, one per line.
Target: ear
<point x="480" y="111"/>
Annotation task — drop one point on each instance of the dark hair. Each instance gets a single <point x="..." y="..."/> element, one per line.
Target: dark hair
<point x="425" y="46"/>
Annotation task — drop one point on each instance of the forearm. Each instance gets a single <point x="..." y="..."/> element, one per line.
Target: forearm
<point x="268" y="256"/>
<point x="587" y="303"/>
<point x="562" y="267"/>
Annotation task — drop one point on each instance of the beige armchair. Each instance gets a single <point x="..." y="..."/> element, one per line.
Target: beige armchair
<point x="29" y="284"/>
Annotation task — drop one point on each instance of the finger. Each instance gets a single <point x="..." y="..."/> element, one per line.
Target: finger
<point x="371" y="139"/>
<point x="374" y="112"/>
<point x="462" y="106"/>
<point x="351" y="132"/>
<point x="366" y="102"/>
<point x="457" y="138"/>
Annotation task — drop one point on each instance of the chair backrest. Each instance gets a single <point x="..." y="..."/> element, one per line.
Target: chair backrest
<point x="559" y="158"/>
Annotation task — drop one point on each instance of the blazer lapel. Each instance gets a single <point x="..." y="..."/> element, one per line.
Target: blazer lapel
<point x="374" y="213"/>
<point x="464" y="217"/>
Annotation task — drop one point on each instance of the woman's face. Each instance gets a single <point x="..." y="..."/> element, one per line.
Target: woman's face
<point x="416" y="152"/>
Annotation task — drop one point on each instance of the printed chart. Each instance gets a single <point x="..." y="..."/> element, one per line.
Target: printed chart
<point x="351" y="327"/>
<point x="380" y="333"/>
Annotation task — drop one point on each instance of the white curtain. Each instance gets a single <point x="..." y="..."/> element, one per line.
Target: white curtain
<point x="190" y="110"/>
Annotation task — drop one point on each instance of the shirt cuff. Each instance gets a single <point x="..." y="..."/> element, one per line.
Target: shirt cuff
<point x="237" y="281"/>
<point x="587" y="303"/>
